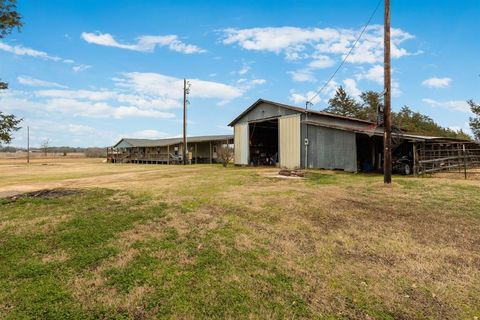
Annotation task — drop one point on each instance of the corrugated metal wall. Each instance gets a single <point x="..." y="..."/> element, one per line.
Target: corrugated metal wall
<point x="241" y="143"/>
<point x="331" y="148"/>
<point x="289" y="141"/>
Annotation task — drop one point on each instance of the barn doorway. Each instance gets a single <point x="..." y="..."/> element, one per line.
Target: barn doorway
<point x="369" y="153"/>
<point x="263" y="143"/>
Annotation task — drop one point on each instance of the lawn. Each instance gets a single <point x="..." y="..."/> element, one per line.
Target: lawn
<point x="202" y="241"/>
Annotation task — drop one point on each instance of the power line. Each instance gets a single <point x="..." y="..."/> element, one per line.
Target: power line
<point x="309" y="101"/>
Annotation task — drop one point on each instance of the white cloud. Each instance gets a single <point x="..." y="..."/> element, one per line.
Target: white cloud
<point x="146" y="134"/>
<point x="20" y="50"/>
<point x="30" y="81"/>
<point x="100" y="109"/>
<point x="351" y="88"/>
<point x="396" y="92"/>
<point x="57" y="132"/>
<point x="437" y="82"/>
<point x="78" y="94"/>
<point x="144" y="43"/>
<point x="81" y="67"/>
<point x="148" y="95"/>
<point x="321" y="62"/>
<point x="300" y="43"/>
<point x="172" y="88"/>
<point x="245" y="68"/>
<point x="453" y="105"/>
<point x="326" y="93"/>
<point x="77" y="105"/>
<point x="302" y="75"/>
<point x="374" y="74"/>
<point x="247" y="84"/>
<point x="300" y="99"/>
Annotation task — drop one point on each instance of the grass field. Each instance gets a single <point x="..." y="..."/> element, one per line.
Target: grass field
<point x="152" y="241"/>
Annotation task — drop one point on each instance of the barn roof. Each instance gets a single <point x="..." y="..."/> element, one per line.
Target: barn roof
<point x="297" y="109"/>
<point x="171" y="141"/>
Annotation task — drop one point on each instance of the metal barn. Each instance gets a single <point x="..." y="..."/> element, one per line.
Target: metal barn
<point x="202" y="149"/>
<point x="271" y="133"/>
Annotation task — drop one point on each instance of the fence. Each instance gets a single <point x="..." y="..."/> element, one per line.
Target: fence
<point x="448" y="157"/>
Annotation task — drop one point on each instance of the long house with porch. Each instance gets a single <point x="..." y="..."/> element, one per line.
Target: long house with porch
<point x="201" y="149"/>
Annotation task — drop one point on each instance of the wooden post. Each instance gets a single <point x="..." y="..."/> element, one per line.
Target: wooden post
<point x="414" y="158"/>
<point x="459" y="159"/>
<point x="184" y="122"/>
<point x="211" y="152"/>
<point x="387" y="136"/>
<point x="168" y="154"/>
<point x="28" y="144"/>
<point x="465" y="161"/>
<point x="195" y="153"/>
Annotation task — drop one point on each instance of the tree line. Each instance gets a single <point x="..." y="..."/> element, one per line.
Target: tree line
<point x="370" y="107"/>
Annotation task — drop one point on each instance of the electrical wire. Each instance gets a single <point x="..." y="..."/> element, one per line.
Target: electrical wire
<point x="309" y="101"/>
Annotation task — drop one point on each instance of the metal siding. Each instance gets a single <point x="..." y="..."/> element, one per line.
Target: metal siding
<point x="241" y="143"/>
<point x="289" y="141"/>
<point x="265" y="111"/>
<point x="331" y="149"/>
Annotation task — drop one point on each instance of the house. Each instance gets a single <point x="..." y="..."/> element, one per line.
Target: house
<point x="201" y="149"/>
<point x="271" y="133"/>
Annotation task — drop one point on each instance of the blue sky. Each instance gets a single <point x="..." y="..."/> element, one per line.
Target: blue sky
<point x="85" y="73"/>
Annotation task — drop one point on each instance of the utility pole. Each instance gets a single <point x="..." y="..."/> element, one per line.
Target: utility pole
<point x="184" y="156"/>
<point x="387" y="121"/>
<point x="28" y="144"/>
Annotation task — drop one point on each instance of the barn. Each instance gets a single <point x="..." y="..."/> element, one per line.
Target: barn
<point x="201" y="149"/>
<point x="271" y="133"/>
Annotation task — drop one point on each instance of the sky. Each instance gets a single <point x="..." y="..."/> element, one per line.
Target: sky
<point x="86" y="73"/>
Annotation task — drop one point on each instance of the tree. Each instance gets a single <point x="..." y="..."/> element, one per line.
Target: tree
<point x="344" y="105"/>
<point x="225" y="154"/>
<point x="8" y="124"/>
<point x="44" y="146"/>
<point x="9" y="17"/>
<point x="415" y="122"/>
<point x="9" y="20"/>
<point x="372" y="101"/>
<point x="475" y="121"/>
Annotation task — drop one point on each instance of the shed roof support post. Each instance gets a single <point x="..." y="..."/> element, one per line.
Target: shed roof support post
<point x="415" y="167"/>
<point x="168" y="154"/>
<point x="211" y="152"/>
<point x="195" y="153"/>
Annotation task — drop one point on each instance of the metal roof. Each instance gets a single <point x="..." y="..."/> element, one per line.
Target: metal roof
<point x="297" y="109"/>
<point x="171" y="141"/>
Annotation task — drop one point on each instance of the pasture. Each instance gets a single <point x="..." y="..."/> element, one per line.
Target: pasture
<point x="192" y="242"/>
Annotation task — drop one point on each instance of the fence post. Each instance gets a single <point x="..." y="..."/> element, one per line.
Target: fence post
<point x="465" y="161"/>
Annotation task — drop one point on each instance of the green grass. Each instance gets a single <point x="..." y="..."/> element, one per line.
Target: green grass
<point x="205" y="242"/>
<point x="34" y="288"/>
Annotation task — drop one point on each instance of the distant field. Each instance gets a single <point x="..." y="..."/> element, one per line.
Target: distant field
<point x="22" y="156"/>
<point x="202" y="241"/>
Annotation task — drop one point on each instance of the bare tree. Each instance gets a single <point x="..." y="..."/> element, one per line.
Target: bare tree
<point x="225" y="154"/>
<point x="44" y="145"/>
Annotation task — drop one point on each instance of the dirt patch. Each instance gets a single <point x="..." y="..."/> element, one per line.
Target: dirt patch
<point x="46" y="194"/>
